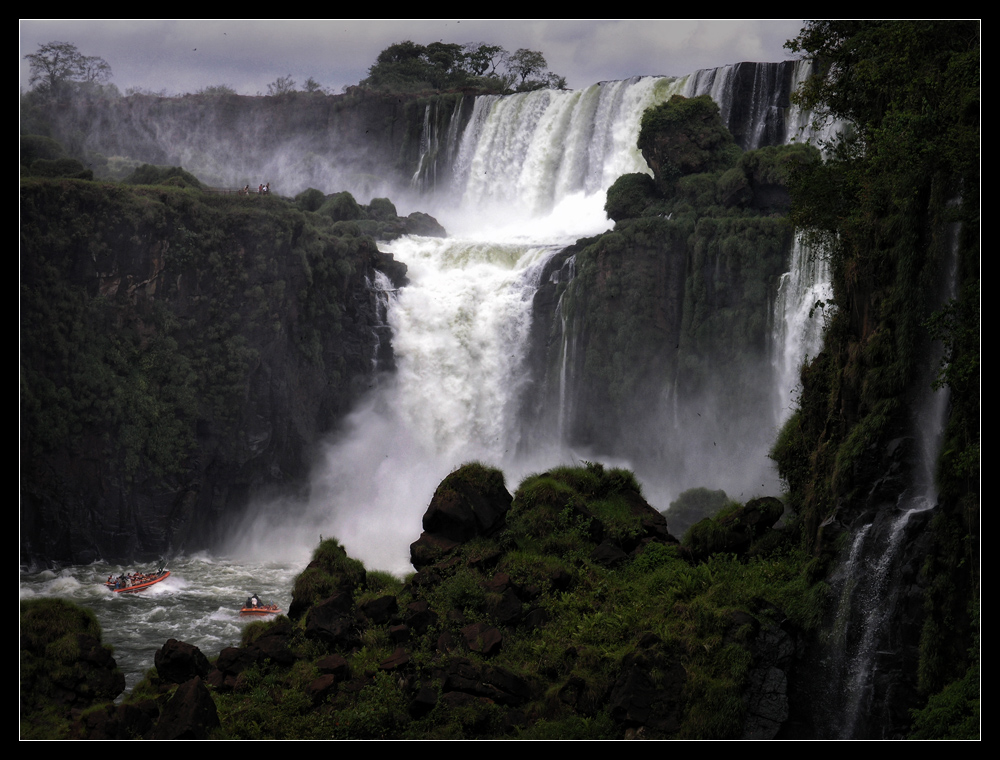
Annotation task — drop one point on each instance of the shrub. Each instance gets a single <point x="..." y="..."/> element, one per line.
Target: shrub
<point x="629" y="196"/>
<point x="148" y="174"/>
<point x="341" y="207"/>
<point x="330" y="571"/>
<point x="310" y="200"/>
<point x="382" y="209"/>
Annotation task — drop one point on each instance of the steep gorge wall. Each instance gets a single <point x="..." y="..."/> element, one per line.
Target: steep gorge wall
<point x="652" y="341"/>
<point x="180" y="351"/>
<point x="367" y="143"/>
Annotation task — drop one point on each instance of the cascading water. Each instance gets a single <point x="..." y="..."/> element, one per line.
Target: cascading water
<point x="797" y="326"/>
<point x="526" y="155"/>
<point x="530" y="176"/>
<point x="866" y="645"/>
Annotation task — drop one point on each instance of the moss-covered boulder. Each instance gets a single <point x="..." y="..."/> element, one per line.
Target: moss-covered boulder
<point x="64" y="667"/>
<point x="525" y="630"/>
<point x="472" y="501"/>
<point x="341" y="207"/>
<point x="694" y="505"/>
<point x="686" y="136"/>
<point x="735" y="528"/>
<point x="330" y="572"/>
<point x="629" y="196"/>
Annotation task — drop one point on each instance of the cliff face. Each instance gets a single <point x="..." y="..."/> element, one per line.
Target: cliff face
<point x="179" y="351"/>
<point x="639" y="333"/>
<point x="365" y="142"/>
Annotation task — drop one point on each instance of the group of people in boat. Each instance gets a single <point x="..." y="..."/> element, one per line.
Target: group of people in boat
<point x="264" y="189"/>
<point x="128" y="580"/>
<point x="132" y="580"/>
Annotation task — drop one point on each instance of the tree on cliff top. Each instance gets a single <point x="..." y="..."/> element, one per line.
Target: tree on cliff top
<point x="59" y="66"/>
<point x="409" y="67"/>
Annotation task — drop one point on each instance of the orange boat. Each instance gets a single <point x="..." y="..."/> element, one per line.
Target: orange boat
<point x="146" y="581"/>
<point x="260" y="610"/>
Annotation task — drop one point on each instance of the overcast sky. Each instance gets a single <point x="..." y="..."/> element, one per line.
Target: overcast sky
<point x="185" y="56"/>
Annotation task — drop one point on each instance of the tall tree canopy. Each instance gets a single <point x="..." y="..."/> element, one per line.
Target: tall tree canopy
<point x="881" y="206"/>
<point x="58" y="66"/>
<point x="407" y="67"/>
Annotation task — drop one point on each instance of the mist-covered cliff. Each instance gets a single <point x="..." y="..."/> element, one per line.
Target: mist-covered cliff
<point x="180" y="351"/>
<point x="655" y="341"/>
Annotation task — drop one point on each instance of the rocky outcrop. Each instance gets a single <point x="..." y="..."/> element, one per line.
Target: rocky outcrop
<point x="180" y="351"/>
<point x="524" y="628"/>
<point x="733" y="531"/>
<point x="652" y="341"/>
<point x="64" y="666"/>
<point x="189" y="714"/>
<point x="470" y="502"/>
<point x="179" y="662"/>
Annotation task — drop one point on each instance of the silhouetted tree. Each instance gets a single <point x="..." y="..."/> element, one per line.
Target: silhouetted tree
<point x="58" y="65"/>
<point x="524" y="63"/>
<point x="281" y="86"/>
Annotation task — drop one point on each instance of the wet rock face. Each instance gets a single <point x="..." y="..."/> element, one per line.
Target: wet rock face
<point x="472" y="501"/>
<point x="189" y="714"/>
<point x="178" y="662"/>
<point x="64" y="666"/>
<point x="206" y="346"/>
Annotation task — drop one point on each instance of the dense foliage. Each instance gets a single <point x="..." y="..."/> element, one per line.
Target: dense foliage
<point x="896" y="208"/>
<point x="409" y="67"/>
<point x="884" y="205"/>
<point x="64" y="668"/>
<point x="692" y="632"/>
<point x="152" y="316"/>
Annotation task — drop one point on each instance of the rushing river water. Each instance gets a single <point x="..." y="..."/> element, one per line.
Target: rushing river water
<point x="199" y="603"/>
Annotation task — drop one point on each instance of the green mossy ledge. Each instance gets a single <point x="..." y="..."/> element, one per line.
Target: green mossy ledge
<point x="679" y="293"/>
<point x="529" y="627"/>
<point x="180" y="349"/>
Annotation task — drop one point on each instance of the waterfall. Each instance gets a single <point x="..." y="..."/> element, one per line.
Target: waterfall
<point x="526" y="154"/>
<point x="875" y="581"/>
<point x="797" y="322"/>
<point x="753" y="98"/>
<point x="567" y="352"/>
<point x="381" y="290"/>
<point x="528" y="176"/>
<point x="436" y="151"/>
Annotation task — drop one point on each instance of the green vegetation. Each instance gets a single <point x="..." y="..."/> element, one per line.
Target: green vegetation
<point x="171" y="176"/>
<point x="59" y="68"/>
<point x="687" y="628"/>
<point x="693" y="505"/>
<point x="329" y="572"/>
<point x="578" y="633"/>
<point x="681" y="287"/>
<point x="881" y="206"/>
<point x="64" y="667"/>
<point x="896" y="208"/>
<point x="629" y="196"/>
<point x="139" y="389"/>
<point x="952" y="713"/>
<point x="409" y="67"/>
<point x="685" y="136"/>
<point x="152" y="316"/>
